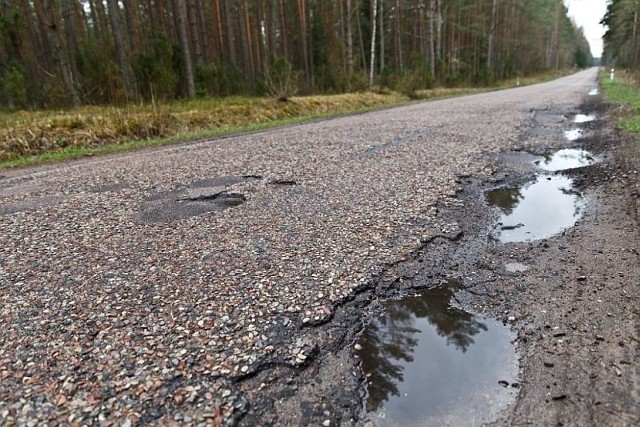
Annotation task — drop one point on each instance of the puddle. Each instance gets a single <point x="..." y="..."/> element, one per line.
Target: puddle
<point x="594" y="91"/>
<point x="428" y="363"/>
<point x="573" y="134"/>
<point x="536" y="210"/>
<point x="567" y="158"/>
<point x="581" y="118"/>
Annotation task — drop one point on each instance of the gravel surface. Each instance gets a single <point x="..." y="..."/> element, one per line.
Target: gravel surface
<point x="146" y="287"/>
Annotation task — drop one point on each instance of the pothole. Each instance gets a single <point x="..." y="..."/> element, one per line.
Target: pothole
<point x="536" y="210"/>
<point x="200" y="197"/>
<point x="429" y="363"/>
<point x="564" y="159"/>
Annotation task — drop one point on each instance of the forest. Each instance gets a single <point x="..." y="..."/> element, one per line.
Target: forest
<point x="622" y="41"/>
<point x="65" y="53"/>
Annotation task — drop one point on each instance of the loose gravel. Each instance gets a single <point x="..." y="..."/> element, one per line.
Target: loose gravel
<point x="144" y="287"/>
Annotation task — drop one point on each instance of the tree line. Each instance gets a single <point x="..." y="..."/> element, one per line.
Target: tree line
<point x="76" y="52"/>
<point x="622" y="39"/>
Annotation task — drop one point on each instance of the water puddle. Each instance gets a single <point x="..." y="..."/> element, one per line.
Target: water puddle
<point x="567" y="158"/>
<point x="536" y="210"/>
<point x="594" y="91"/>
<point x="573" y="134"/>
<point x="581" y="118"/>
<point x="429" y="363"/>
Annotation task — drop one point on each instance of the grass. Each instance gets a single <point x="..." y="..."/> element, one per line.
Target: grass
<point x="624" y="91"/>
<point x="36" y="137"/>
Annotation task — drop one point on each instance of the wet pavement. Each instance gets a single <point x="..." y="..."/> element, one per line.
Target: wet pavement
<point x="567" y="158"/>
<point x="536" y="210"/>
<point x="430" y="363"/>
<point x="580" y="118"/>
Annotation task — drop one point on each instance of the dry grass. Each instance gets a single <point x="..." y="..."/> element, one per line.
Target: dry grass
<point x="25" y="134"/>
<point x="45" y="136"/>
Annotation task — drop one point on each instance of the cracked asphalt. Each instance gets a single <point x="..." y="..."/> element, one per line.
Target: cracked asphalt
<point x="153" y="287"/>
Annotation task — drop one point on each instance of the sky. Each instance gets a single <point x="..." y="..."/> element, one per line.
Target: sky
<point x="587" y="14"/>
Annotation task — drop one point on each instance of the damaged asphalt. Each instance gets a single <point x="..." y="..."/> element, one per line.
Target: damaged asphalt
<point x="226" y="282"/>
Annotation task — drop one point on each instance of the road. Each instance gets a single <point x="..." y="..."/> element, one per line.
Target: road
<point x="224" y="281"/>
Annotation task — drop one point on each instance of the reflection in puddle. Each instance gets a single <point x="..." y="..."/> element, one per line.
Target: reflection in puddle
<point x="594" y="91"/>
<point x="567" y="158"/>
<point x="537" y="210"/>
<point x="428" y="363"/>
<point x="573" y="134"/>
<point x="581" y="118"/>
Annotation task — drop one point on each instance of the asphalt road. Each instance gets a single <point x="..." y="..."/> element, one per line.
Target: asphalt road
<point x="148" y="287"/>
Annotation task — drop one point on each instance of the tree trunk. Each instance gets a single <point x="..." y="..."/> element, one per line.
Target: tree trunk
<point x="118" y="39"/>
<point x="37" y="43"/>
<point x="363" y="54"/>
<point x="381" y="25"/>
<point x="131" y="15"/>
<point x="634" y="57"/>
<point x="181" y="12"/>
<point x="283" y="30"/>
<point x="374" y="20"/>
<point x="53" y="23"/>
<point x="302" y="21"/>
<point x="492" y="30"/>
<point x="218" y="28"/>
<point x="245" y="35"/>
<point x="349" y="43"/>
<point x="398" y="35"/>
<point x="432" y="39"/>
<point x="97" y="28"/>
<point x="195" y="32"/>
<point x="229" y="32"/>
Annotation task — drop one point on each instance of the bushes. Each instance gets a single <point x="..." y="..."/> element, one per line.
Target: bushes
<point x="216" y="80"/>
<point x="158" y="70"/>
<point x="14" y="89"/>
<point x="281" y="81"/>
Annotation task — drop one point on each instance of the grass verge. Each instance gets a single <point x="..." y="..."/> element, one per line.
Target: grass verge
<point x="623" y="91"/>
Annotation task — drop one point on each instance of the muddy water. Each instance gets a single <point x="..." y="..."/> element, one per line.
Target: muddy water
<point x="429" y="363"/>
<point x="536" y="210"/>
<point x="567" y="158"/>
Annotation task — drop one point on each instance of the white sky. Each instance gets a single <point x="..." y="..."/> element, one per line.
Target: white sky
<point x="587" y="14"/>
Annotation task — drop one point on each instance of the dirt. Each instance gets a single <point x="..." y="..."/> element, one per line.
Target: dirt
<point x="572" y="300"/>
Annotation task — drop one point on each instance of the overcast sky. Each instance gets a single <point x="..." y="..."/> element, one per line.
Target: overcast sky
<point x="587" y="14"/>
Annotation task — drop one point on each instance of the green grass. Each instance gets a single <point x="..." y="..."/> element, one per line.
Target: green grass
<point x="37" y="137"/>
<point x="624" y="91"/>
